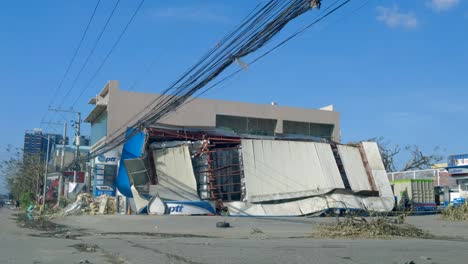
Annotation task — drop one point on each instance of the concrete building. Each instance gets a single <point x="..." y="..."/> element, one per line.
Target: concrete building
<point x="276" y="163"/>
<point x="115" y="109"/>
<point x="68" y="155"/>
<point x="35" y="142"/>
<point x="458" y="170"/>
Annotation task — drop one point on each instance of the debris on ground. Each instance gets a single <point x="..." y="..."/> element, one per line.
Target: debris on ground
<point x="85" y="204"/>
<point x="456" y="213"/>
<point x="83" y="247"/>
<point x="257" y="233"/>
<point x="381" y="227"/>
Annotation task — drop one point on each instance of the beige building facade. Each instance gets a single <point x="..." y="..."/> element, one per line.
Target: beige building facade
<point x="116" y="109"/>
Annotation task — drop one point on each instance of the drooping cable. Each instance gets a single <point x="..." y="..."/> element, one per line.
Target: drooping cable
<point x="90" y="54"/>
<point x="75" y="53"/>
<point x="109" y="52"/>
<point x="247" y="38"/>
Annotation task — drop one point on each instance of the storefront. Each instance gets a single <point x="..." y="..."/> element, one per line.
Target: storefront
<point x="458" y="169"/>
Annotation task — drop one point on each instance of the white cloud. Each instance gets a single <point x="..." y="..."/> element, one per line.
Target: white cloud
<point x="442" y="5"/>
<point x="393" y="17"/>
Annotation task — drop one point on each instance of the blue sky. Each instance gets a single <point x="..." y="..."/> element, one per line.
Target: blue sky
<point x="395" y="69"/>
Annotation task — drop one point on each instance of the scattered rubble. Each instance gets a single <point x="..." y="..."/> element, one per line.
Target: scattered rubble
<point x="380" y="227"/>
<point x="83" y="247"/>
<point x="257" y="233"/>
<point x="456" y="213"/>
<point x="85" y="204"/>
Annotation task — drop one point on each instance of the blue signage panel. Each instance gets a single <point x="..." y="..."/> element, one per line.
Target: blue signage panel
<point x="105" y="172"/>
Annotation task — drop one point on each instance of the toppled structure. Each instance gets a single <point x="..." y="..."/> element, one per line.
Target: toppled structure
<point x="254" y="175"/>
<point x="300" y="178"/>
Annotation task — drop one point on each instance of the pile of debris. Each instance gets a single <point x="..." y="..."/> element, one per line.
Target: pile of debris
<point x="85" y="204"/>
<point x="456" y="213"/>
<point x="380" y="227"/>
<point x="106" y="205"/>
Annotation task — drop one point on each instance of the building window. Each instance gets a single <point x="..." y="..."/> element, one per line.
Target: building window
<point x="247" y="125"/>
<point x="99" y="128"/>
<point x="308" y="129"/>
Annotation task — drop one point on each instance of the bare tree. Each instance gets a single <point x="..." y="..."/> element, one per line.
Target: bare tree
<point x="23" y="173"/>
<point x="418" y="159"/>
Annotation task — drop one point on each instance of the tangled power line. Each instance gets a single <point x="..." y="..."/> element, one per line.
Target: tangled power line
<point x="254" y="32"/>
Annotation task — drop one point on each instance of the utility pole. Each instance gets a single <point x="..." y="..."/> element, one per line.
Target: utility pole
<point x="77" y="143"/>
<point x="77" y="126"/>
<point x="45" y="173"/>
<point x="62" y="157"/>
<point x="62" y="163"/>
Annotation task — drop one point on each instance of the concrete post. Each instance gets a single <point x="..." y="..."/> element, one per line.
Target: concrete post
<point x="62" y="163"/>
<point x="45" y="173"/>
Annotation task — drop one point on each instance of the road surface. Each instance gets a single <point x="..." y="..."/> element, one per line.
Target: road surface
<point x="193" y="240"/>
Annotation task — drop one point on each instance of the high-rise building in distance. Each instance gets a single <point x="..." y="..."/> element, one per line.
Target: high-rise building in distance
<point x="35" y="142"/>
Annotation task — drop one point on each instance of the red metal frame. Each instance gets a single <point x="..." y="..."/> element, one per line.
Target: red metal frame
<point x="212" y="143"/>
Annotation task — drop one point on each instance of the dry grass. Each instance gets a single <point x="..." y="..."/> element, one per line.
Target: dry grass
<point x="456" y="213"/>
<point x="380" y="227"/>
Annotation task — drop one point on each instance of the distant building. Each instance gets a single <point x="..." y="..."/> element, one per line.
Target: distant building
<point x="458" y="169"/>
<point x="69" y="155"/>
<point x="35" y="142"/>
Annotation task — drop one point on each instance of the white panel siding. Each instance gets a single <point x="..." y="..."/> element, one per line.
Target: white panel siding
<point x="328" y="163"/>
<point x="271" y="166"/>
<point x="378" y="170"/>
<point x="354" y="167"/>
<point x="176" y="180"/>
<point x="276" y="170"/>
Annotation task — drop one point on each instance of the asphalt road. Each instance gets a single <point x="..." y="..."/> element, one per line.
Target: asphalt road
<point x="176" y="239"/>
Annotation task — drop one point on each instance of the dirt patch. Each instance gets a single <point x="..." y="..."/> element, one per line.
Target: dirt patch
<point x="83" y="247"/>
<point x="46" y="228"/>
<point x="372" y="227"/>
<point x="36" y="222"/>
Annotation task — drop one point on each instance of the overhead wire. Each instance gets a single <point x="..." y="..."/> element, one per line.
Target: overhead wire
<point x="272" y="49"/>
<point x="75" y="53"/>
<point x="90" y="54"/>
<point x="204" y="57"/>
<point x="266" y="24"/>
<point x="279" y="45"/>
<point x="222" y="57"/>
<point x="153" y="62"/>
<point x="270" y="5"/>
<point x="121" y="136"/>
<point x="276" y="30"/>
<point x="109" y="53"/>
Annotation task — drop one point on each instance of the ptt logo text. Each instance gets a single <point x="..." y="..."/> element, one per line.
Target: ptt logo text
<point x="103" y="158"/>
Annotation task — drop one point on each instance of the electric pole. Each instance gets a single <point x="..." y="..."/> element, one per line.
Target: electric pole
<point x="77" y="125"/>
<point x="62" y="158"/>
<point x="77" y="139"/>
<point x="45" y="173"/>
<point x="62" y="163"/>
